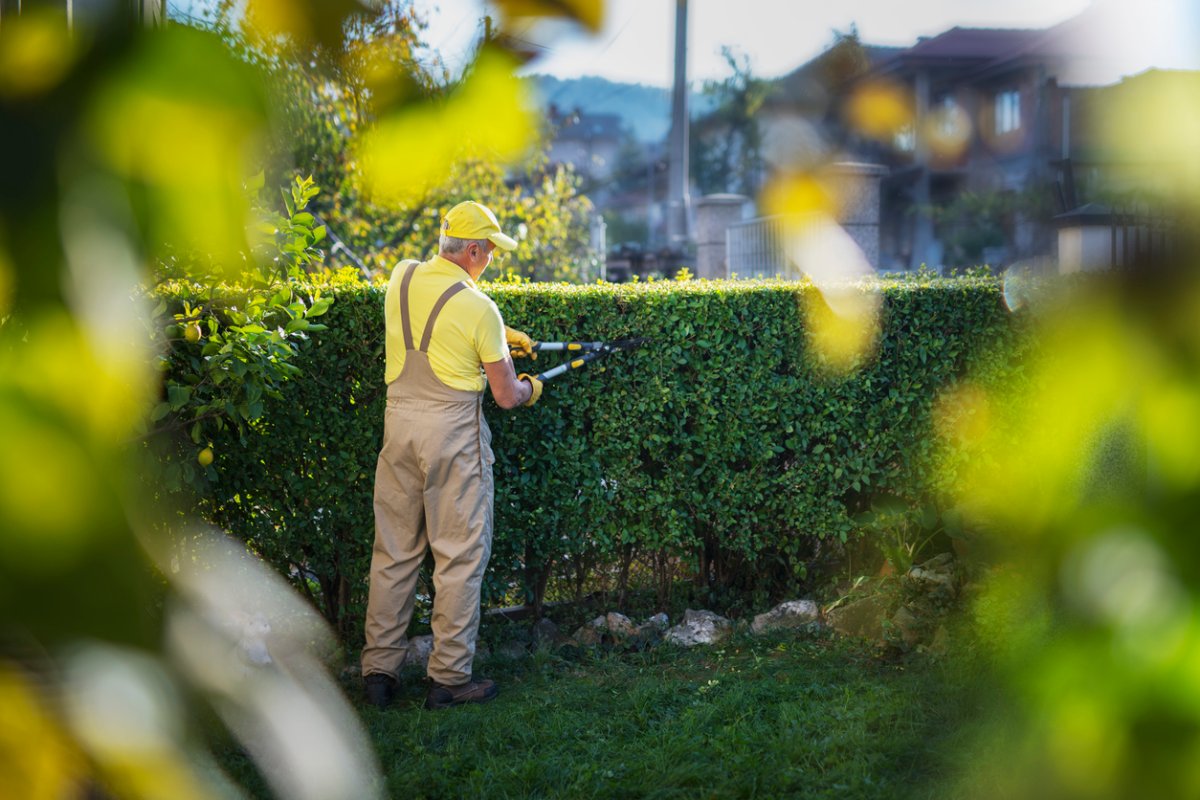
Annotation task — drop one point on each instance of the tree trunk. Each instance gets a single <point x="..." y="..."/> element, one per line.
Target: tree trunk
<point x="623" y="575"/>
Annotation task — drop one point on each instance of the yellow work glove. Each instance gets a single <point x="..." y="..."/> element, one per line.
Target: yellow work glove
<point x="537" y="387"/>
<point x="519" y="344"/>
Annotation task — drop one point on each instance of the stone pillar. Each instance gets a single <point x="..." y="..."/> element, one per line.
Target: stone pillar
<point x="1089" y="239"/>
<point x="714" y="214"/>
<point x="856" y="189"/>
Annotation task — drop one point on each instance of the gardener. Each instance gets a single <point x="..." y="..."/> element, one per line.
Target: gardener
<point x="433" y="480"/>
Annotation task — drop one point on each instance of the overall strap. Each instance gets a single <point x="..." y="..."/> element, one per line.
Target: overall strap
<point x="405" y="320"/>
<point x="437" y="308"/>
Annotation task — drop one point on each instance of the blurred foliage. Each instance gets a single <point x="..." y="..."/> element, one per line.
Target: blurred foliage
<point x="390" y="173"/>
<point x="728" y="441"/>
<point x="1088" y="473"/>
<point x="125" y="158"/>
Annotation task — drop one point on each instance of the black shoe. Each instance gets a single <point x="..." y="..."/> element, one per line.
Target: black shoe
<point x="381" y="689"/>
<point x="479" y="690"/>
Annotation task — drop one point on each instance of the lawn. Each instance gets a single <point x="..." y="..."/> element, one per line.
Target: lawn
<point x="802" y="715"/>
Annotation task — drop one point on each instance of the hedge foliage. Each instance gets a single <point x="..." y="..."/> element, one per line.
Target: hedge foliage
<point x="724" y="439"/>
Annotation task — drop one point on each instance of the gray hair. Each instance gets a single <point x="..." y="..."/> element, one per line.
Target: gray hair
<point x="452" y="244"/>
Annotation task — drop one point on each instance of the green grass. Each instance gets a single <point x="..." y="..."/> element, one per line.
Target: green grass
<point x="779" y="717"/>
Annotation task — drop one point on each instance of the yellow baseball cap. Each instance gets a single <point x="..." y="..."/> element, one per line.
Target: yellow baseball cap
<point x="470" y="220"/>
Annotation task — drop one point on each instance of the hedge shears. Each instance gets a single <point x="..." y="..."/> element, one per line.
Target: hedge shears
<point x="588" y="351"/>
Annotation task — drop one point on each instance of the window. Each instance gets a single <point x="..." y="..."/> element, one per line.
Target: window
<point x="1008" y="111"/>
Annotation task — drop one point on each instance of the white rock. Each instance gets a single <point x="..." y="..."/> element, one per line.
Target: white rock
<point x="937" y="574"/>
<point x="699" y="627"/>
<point x="620" y="625"/>
<point x="419" y="648"/>
<point x="659" y="621"/>
<point x="786" y="616"/>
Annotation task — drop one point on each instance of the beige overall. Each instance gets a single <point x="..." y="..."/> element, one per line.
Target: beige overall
<point x="433" y="487"/>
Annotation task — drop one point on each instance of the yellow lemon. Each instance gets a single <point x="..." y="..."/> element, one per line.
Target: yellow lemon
<point x="192" y="334"/>
<point x="205" y="457"/>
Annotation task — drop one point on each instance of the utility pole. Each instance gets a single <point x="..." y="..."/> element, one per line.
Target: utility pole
<point x="678" y="204"/>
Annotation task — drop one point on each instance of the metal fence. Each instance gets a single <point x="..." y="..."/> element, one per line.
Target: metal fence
<point x="1142" y="237"/>
<point x="758" y="248"/>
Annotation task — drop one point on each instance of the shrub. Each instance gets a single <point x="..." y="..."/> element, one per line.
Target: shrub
<point x="724" y="440"/>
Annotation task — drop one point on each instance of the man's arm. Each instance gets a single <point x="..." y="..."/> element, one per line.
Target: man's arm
<point x="508" y="391"/>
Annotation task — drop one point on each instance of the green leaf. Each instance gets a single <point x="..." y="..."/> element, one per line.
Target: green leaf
<point x="257" y="182"/>
<point x="178" y="395"/>
<point x="319" y="307"/>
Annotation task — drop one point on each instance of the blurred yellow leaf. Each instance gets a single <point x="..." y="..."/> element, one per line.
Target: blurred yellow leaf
<point x="1086" y="747"/>
<point x="185" y="122"/>
<point x="49" y="365"/>
<point x="36" y="51"/>
<point x="1170" y="418"/>
<point x="305" y="22"/>
<point x="487" y="117"/>
<point x="588" y="12"/>
<point x="963" y="415"/>
<point x="1154" y="121"/>
<point x="843" y="322"/>
<point x="1080" y="384"/>
<point x="37" y="762"/>
<point x="268" y="18"/>
<point x="47" y="490"/>
<point x="879" y="109"/>
<point x="840" y="340"/>
<point x="798" y="194"/>
<point x="948" y="132"/>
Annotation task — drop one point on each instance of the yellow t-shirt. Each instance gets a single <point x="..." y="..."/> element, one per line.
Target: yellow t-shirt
<point x="468" y="333"/>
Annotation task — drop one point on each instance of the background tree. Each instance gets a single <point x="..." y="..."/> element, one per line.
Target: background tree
<point x="331" y="102"/>
<point x="727" y="143"/>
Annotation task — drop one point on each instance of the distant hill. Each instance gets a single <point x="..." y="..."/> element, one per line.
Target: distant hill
<point x="646" y="110"/>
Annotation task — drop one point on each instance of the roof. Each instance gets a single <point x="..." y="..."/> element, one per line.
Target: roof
<point x="1087" y="214"/>
<point x="811" y="82"/>
<point x="973" y="43"/>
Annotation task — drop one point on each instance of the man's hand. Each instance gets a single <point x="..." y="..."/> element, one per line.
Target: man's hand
<point x="535" y="384"/>
<point x="519" y="344"/>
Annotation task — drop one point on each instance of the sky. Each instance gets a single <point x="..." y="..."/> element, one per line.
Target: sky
<point x="636" y="44"/>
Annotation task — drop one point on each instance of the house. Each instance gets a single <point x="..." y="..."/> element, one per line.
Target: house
<point x="590" y="142"/>
<point x="970" y="179"/>
<point x="994" y="135"/>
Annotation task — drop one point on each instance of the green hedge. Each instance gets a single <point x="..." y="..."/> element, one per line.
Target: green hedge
<point x="724" y="440"/>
